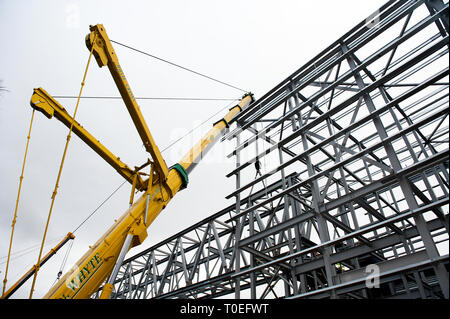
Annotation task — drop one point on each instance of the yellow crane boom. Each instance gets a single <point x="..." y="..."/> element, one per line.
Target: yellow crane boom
<point x="105" y="56"/>
<point x="102" y="261"/>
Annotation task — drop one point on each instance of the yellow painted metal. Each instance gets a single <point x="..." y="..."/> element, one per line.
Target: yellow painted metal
<point x="105" y="55"/>
<point x="133" y="189"/>
<point x="30" y="272"/>
<point x="5" y="280"/>
<point x="107" y="291"/>
<point x="59" y="174"/>
<point x="96" y="265"/>
<point x="45" y="103"/>
<point x="196" y="153"/>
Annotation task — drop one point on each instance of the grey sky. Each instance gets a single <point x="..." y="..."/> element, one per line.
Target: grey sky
<point x="250" y="44"/>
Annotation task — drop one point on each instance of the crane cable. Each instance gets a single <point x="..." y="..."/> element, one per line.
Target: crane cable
<point x="65" y="152"/>
<point x="60" y="170"/>
<point x="179" y="66"/>
<point x="17" y="203"/>
<point x="146" y="98"/>
<point x="64" y="261"/>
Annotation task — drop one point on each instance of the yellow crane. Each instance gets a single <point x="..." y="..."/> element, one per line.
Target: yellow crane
<point x="102" y="261"/>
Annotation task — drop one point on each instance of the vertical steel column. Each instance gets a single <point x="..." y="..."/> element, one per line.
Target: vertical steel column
<point x="237" y="251"/>
<point x="324" y="236"/>
<point x="431" y="249"/>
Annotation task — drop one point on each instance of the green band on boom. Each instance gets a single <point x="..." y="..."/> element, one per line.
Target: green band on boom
<point x="183" y="174"/>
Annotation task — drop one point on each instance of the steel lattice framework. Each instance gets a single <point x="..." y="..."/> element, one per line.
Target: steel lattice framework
<point x="354" y="172"/>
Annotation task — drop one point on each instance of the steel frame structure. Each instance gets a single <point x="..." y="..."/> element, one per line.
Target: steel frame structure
<point x="352" y="175"/>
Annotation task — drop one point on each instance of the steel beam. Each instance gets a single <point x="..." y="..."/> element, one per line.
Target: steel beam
<point x="354" y="171"/>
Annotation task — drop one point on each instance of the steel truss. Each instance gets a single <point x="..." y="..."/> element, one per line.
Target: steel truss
<point x="352" y="151"/>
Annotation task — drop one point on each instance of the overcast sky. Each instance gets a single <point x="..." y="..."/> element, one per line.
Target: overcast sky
<point x="250" y="44"/>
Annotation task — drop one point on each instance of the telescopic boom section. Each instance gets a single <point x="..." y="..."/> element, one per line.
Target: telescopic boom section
<point x="194" y="156"/>
<point x="31" y="272"/>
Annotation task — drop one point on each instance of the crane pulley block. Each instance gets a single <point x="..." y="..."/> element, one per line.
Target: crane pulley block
<point x="103" y="50"/>
<point x="41" y="104"/>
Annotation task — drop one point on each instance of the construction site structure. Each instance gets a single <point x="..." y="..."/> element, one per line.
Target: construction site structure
<point x="342" y="179"/>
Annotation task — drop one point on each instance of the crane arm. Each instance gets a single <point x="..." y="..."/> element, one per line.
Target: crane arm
<point x="45" y="103"/>
<point x="31" y="272"/>
<point x="105" y="56"/>
<point x="194" y="156"/>
<point x="97" y="264"/>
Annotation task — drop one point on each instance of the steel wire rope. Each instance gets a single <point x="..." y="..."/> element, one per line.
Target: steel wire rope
<point x="98" y="207"/>
<point x="145" y="98"/>
<point x="26" y="251"/>
<point x="179" y="66"/>
<point x="32" y="248"/>
<point x="64" y="261"/>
